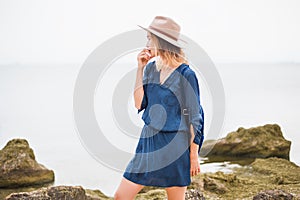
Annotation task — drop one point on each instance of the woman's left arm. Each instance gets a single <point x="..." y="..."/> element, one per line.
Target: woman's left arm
<point x="194" y="149"/>
<point x="196" y="118"/>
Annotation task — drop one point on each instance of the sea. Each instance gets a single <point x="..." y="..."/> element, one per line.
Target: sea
<point x="36" y="104"/>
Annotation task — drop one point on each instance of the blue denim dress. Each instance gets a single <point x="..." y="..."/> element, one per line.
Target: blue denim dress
<point x="162" y="155"/>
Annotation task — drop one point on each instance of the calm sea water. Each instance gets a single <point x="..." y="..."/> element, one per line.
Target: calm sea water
<point x="36" y="103"/>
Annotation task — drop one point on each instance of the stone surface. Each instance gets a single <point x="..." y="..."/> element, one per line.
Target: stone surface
<point x="51" y="193"/>
<point x="278" y="170"/>
<point x="214" y="186"/>
<point x="155" y="194"/>
<point x="152" y="193"/>
<point x="247" y="181"/>
<point x="194" y="194"/>
<point x="96" y="195"/>
<point x="18" y="166"/>
<point x="58" y="193"/>
<point x="258" y="142"/>
<point x="273" y="195"/>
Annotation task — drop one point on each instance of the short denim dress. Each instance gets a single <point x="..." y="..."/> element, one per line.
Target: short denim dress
<point x="162" y="156"/>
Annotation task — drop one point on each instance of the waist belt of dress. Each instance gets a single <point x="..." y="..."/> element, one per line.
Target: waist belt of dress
<point x="185" y="111"/>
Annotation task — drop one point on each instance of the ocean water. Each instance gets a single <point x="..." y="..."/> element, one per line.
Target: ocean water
<point x="36" y="103"/>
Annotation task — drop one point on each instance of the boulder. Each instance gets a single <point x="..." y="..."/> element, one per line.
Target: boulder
<point x="18" y="166"/>
<point x="57" y="193"/>
<point x="258" y="142"/>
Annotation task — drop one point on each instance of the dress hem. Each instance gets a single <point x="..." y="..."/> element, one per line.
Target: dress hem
<point x="156" y="185"/>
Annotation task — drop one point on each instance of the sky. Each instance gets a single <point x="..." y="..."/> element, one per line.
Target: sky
<point x="67" y="31"/>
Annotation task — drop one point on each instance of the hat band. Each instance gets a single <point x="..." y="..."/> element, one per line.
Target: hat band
<point x="164" y="33"/>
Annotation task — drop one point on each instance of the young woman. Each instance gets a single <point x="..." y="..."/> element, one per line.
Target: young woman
<point x="168" y="92"/>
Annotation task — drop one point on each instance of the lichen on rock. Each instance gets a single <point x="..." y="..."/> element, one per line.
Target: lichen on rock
<point x="247" y="181"/>
<point x="52" y="193"/>
<point x="18" y="166"/>
<point x="258" y="142"/>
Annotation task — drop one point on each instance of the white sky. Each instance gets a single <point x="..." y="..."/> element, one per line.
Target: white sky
<point x="228" y="30"/>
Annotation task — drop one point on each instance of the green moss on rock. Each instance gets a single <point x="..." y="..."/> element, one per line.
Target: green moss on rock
<point x="18" y="166"/>
<point x="246" y="182"/>
<point x="258" y="142"/>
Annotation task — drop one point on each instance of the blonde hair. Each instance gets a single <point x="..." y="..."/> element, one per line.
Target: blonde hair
<point x="168" y="53"/>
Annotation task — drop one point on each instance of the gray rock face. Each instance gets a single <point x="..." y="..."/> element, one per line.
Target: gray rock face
<point x="18" y="166"/>
<point x="258" y="142"/>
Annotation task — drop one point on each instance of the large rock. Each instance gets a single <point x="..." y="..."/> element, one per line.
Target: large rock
<point x="258" y="142"/>
<point x="18" y="166"/>
<point x="58" y="193"/>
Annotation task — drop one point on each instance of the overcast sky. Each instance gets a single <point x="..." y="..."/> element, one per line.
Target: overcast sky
<point x="228" y="30"/>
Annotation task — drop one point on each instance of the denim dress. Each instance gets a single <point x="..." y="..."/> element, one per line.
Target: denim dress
<point x="162" y="156"/>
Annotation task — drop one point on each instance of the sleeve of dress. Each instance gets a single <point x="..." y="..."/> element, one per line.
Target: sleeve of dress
<point x="145" y="81"/>
<point x="192" y="102"/>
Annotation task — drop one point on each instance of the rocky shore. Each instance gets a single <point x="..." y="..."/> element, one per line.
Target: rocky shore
<point x="269" y="174"/>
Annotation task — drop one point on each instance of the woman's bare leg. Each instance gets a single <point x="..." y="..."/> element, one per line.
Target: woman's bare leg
<point x="127" y="190"/>
<point x="176" y="193"/>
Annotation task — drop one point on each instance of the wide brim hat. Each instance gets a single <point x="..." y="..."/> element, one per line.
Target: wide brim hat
<point x="167" y="29"/>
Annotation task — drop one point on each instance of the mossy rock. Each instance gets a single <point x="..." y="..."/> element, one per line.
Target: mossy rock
<point x="154" y="194"/>
<point x="51" y="193"/>
<point x="96" y="195"/>
<point x="248" y="181"/>
<point x="280" y="171"/>
<point x="258" y="142"/>
<point x="19" y="168"/>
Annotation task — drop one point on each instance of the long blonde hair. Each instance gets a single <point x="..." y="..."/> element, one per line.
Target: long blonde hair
<point x="168" y="53"/>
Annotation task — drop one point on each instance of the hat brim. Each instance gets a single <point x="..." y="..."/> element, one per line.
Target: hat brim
<point x="179" y="43"/>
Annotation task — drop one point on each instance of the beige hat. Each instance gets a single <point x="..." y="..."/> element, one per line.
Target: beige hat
<point x="167" y="29"/>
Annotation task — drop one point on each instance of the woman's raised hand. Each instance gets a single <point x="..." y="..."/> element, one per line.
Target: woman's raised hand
<point x="143" y="57"/>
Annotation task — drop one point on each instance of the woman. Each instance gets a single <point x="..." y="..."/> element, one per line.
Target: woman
<point x="168" y="92"/>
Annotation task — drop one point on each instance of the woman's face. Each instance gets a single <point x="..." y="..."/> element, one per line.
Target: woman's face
<point x="150" y="44"/>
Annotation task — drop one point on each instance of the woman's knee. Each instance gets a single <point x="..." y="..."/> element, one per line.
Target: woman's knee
<point x="127" y="190"/>
<point x="117" y="195"/>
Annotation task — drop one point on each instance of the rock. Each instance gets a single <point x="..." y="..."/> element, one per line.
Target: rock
<point x="51" y="193"/>
<point x="78" y="193"/>
<point x="258" y="142"/>
<point x="245" y="182"/>
<point x="273" y="195"/>
<point x="213" y="185"/>
<point x="279" y="171"/>
<point x="95" y="195"/>
<point x="154" y="194"/>
<point x="194" y="194"/>
<point x="18" y="166"/>
<point x="58" y="193"/>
